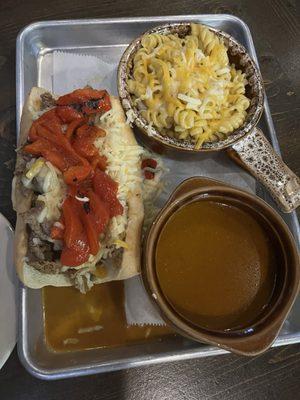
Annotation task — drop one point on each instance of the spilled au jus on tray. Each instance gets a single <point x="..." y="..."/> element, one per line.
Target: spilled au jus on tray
<point x="218" y="263"/>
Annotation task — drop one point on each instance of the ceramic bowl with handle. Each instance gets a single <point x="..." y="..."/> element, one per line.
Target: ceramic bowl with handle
<point x="247" y="145"/>
<point x="257" y="337"/>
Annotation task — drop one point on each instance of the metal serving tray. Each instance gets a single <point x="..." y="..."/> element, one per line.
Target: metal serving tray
<point x="108" y="38"/>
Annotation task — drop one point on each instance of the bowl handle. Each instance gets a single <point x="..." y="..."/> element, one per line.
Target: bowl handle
<point x="255" y="154"/>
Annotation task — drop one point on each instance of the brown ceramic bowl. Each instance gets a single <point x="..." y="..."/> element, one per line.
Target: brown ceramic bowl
<point x="250" y="340"/>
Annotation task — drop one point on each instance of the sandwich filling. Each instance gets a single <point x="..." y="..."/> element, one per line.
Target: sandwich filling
<point x="79" y="171"/>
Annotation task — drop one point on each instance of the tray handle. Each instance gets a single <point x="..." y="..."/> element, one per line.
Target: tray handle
<point x="255" y="154"/>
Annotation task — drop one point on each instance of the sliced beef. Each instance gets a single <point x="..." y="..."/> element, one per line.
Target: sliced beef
<point x="41" y="255"/>
<point x="47" y="267"/>
<point x="39" y="249"/>
<point x="46" y="227"/>
<point x="22" y="160"/>
<point x="115" y="260"/>
<point x="20" y="189"/>
<point x="118" y="257"/>
<point x="30" y="217"/>
<point x="47" y="101"/>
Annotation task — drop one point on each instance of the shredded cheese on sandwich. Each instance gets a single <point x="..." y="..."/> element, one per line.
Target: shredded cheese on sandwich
<point x="123" y="165"/>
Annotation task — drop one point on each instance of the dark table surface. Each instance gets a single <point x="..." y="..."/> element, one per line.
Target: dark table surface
<point x="275" y="28"/>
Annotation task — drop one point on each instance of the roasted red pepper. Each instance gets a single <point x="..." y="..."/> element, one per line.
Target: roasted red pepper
<point x="68" y="114"/>
<point x="42" y="147"/>
<point x="73" y="126"/>
<point x="100" y="211"/>
<point x="90" y="131"/>
<point x="106" y="188"/>
<point x="75" y="174"/>
<point x="65" y="136"/>
<point x="82" y="96"/>
<point x="85" y="147"/>
<point x="58" y="231"/>
<point x="90" y="227"/>
<point x="33" y="132"/>
<point x="76" y="250"/>
<point x="78" y="254"/>
<point x="83" y="142"/>
<point x="149" y="163"/>
<point x="99" y="161"/>
<point x="95" y="105"/>
<point x="50" y="120"/>
<point x="73" y="225"/>
<point x="149" y="174"/>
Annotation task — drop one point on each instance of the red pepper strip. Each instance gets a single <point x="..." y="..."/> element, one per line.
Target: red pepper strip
<point x="96" y="105"/>
<point x="149" y="174"/>
<point x="76" y="248"/>
<point x="89" y="224"/>
<point x="106" y="188"/>
<point x="57" y="149"/>
<point x="42" y="147"/>
<point x="84" y="140"/>
<point x="84" y="146"/>
<point x="33" y="132"/>
<point x="90" y="130"/>
<point x="73" y="225"/>
<point x="100" y="132"/>
<point x="58" y="140"/>
<point x="100" y="162"/>
<point x="75" y="161"/>
<point x="68" y="114"/>
<point x="103" y="183"/>
<point x="78" y="254"/>
<point x="55" y="158"/>
<point x="72" y="191"/>
<point x="73" y="126"/>
<point x="50" y="120"/>
<point x="149" y="162"/>
<point x="83" y="130"/>
<point x="76" y="174"/>
<point x="80" y="96"/>
<point x="36" y="147"/>
<point x="84" y="186"/>
<point x="57" y="232"/>
<point x="100" y="210"/>
<point x="44" y="132"/>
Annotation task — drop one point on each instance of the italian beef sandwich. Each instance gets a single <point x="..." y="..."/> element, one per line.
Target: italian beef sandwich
<point x="77" y="191"/>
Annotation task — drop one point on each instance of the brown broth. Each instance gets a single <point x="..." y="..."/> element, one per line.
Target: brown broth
<point x="216" y="264"/>
<point x="66" y="311"/>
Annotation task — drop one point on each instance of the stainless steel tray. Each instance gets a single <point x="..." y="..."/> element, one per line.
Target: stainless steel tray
<point x="108" y="38"/>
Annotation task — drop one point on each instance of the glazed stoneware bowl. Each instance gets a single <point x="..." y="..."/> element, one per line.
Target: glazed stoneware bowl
<point x="247" y="145"/>
<point x="259" y="336"/>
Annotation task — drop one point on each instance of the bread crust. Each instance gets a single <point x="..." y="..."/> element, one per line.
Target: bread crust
<point x="132" y="254"/>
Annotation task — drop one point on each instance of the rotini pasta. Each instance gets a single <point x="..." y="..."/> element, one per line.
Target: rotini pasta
<point x="186" y="87"/>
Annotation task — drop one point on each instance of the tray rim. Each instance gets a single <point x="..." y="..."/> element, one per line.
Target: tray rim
<point x="134" y="361"/>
